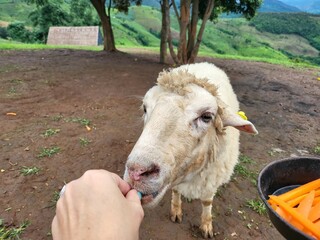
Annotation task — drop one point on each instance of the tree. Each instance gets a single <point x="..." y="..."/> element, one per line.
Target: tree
<point x="188" y="17"/>
<point x="105" y="18"/>
<point x="48" y="13"/>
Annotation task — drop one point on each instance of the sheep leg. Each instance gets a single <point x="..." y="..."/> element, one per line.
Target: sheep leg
<point x="176" y="209"/>
<point x="206" y="218"/>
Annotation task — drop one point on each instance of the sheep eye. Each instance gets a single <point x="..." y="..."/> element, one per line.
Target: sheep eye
<point x="144" y="109"/>
<point x="206" y="117"/>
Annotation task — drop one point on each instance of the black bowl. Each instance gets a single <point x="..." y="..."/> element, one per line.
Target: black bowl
<point x="280" y="176"/>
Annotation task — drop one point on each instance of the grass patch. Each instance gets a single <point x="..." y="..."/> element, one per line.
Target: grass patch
<point x="55" y="198"/>
<point x="11" y="233"/>
<point x="242" y="169"/>
<point x="316" y="150"/>
<point x="12" y="91"/>
<point x="257" y="205"/>
<point x="50" y="132"/>
<point x="84" y="141"/>
<point x="82" y="121"/>
<point x="48" y="152"/>
<point x="25" y="171"/>
<point x="56" y="118"/>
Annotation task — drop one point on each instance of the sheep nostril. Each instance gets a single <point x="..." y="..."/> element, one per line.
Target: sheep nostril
<point x="154" y="170"/>
<point x="139" y="173"/>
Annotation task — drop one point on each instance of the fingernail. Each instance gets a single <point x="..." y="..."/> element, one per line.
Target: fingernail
<point x="139" y="195"/>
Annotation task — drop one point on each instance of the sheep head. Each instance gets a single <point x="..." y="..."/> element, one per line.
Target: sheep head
<point x="183" y="120"/>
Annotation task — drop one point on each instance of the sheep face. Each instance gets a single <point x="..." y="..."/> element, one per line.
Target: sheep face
<point x="175" y="141"/>
<point x="180" y="129"/>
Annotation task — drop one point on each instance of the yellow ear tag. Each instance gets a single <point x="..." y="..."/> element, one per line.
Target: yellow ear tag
<point x="242" y="115"/>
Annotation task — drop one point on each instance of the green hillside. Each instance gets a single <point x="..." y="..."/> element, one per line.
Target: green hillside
<point x="15" y="11"/>
<point x="256" y="39"/>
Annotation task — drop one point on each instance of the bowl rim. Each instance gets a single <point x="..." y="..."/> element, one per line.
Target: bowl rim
<point x="266" y="201"/>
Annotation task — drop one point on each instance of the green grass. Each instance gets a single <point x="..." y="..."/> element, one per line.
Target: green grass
<point x="10" y="232"/>
<point x="82" y="121"/>
<point x="13" y="45"/>
<point x="54" y="199"/>
<point x="48" y="152"/>
<point x="242" y="169"/>
<point x="316" y="150"/>
<point x="25" y="171"/>
<point x="257" y="205"/>
<point x="84" y="141"/>
<point x="50" y="132"/>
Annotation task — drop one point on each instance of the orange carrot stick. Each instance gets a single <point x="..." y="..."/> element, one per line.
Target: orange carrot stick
<point x="317" y="224"/>
<point x="303" y="189"/>
<point x="306" y="204"/>
<point x="314" y="213"/>
<point x="316" y="200"/>
<point x="294" y="202"/>
<point x="307" y="224"/>
<point x="283" y="214"/>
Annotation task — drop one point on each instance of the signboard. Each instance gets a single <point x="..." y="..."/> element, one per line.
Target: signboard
<point x="82" y="36"/>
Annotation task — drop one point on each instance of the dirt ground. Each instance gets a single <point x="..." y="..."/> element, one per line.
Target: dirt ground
<point x="64" y="89"/>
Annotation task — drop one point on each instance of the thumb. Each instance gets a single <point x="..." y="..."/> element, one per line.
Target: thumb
<point x="133" y="196"/>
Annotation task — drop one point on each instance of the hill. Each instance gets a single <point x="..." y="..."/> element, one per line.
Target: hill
<point x="228" y="37"/>
<point x="311" y="6"/>
<point x="277" y="6"/>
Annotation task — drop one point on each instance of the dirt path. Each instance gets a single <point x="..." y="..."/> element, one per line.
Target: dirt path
<point x="62" y="90"/>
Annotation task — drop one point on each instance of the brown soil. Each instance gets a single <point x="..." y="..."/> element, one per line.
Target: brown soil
<point x="49" y="88"/>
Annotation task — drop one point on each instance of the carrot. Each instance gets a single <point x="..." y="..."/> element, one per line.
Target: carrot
<point x="306" y="204"/>
<point x="314" y="213"/>
<point x="283" y="214"/>
<point x="294" y="202"/>
<point x="11" y="114"/>
<point x="305" y="222"/>
<point x="317" y="224"/>
<point x="303" y="189"/>
<point x="316" y="200"/>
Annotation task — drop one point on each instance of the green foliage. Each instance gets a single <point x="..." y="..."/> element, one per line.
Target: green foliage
<point x="247" y="8"/>
<point x="257" y="205"/>
<point x="12" y="233"/>
<point x="82" y="13"/>
<point x="25" y="171"/>
<point x="48" y="152"/>
<point x="17" y="31"/>
<point x="3" y="32"/>
<point x="50" y="132"/>
<point x="303" y="24"/>
<point x="47" y="15"/>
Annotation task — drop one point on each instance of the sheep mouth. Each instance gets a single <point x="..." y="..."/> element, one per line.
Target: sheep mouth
<point x="152" y="199"/>
<point x="147" y="198"/>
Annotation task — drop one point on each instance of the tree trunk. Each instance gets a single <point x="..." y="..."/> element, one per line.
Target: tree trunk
<point x="193" y="27"/>
<point x="206" y="16"/>
<point x="164" y="30"/>
<point x="184" y="21"/>
<point x="108" y="37"/>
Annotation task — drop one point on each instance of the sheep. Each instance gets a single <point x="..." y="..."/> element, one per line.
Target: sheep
<point x="190" y="140"/>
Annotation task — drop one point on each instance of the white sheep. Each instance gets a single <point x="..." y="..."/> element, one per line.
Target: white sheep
<point x="190" y="141"/>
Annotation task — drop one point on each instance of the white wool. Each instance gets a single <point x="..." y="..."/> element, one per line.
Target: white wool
<point x="218" y="171"/>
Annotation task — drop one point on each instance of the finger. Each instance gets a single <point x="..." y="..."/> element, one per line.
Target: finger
<point x="133" y="196"/>
<point x="123" y="185"/>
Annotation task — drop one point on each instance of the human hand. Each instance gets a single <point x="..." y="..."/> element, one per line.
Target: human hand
<point x="98" y="205"/>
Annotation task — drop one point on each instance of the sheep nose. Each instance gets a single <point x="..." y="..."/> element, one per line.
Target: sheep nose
<point x="138" y="173"/>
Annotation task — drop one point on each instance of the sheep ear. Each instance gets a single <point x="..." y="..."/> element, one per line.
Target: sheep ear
<point x="234" y="120"/>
